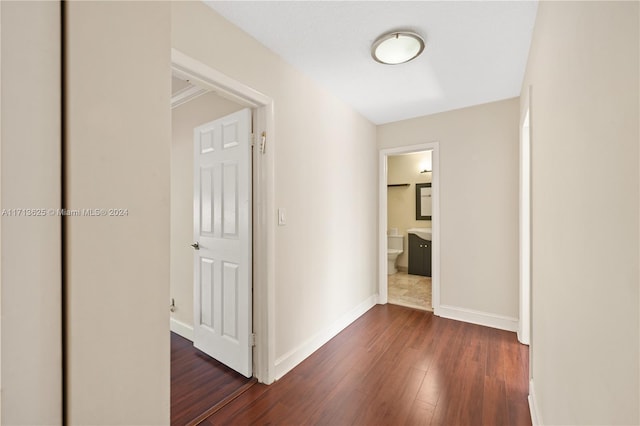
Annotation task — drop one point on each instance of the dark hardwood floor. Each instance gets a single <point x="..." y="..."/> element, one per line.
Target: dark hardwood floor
<point x="199" y="384"/>
<point x="397" y="366"/>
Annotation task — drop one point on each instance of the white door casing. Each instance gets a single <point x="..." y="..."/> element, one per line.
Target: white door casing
<point x="524" y="327"/>
<point x="222" y="234"/>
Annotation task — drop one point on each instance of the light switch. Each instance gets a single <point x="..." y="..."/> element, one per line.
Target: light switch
<point x="282" y="216"/>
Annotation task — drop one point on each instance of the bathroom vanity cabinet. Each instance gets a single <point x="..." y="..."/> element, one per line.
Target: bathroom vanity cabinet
<point x="419" y="256"/>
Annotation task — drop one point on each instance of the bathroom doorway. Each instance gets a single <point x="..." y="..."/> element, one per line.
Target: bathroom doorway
<point x="409" y="230"/>
<point x="409" y="227"/>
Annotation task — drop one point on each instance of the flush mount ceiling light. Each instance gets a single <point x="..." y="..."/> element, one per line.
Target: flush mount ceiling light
<point x="397" y="47"/>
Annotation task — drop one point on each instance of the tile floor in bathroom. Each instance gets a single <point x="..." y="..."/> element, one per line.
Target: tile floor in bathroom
<point x="413" y="291"/>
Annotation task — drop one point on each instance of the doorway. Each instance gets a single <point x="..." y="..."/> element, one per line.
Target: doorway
<point x="420" y="231"/>
<point x="409" y="241"/>
<point x="264" y="217"/>
<point x="208" y="367"/>
<point x="218" y="95"/>
<point x="191" y="106"/>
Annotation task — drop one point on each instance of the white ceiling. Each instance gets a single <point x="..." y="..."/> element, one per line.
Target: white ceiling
<point x="476" y="51"/>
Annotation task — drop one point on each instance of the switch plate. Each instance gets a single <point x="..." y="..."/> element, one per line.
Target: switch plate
<point x="282" y="216"/>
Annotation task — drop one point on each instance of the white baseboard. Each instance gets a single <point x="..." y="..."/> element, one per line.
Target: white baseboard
<point x="477" y="317"/>
<point x="536" y="420"/>
<point x="182" y="329"/>
<point x="288" y="361"/>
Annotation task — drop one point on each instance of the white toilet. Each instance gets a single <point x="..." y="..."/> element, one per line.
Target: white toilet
<point x="395" y="247"/>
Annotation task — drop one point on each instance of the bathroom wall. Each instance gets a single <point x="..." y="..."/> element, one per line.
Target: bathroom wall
<point x="583" y="70"/>
<point x="184" y="118"/>
<point x="478" y="149"/>
<point x="401" y="200"/>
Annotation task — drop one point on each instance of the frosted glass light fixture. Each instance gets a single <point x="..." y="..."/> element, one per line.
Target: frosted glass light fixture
<point x="397" y="47"/>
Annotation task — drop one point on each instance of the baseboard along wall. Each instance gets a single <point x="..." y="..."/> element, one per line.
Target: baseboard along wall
<point x="536" y="420"/>
<point x="477" y="317"/>
<point x="181" y="329"/>
<point x="288" y="361"/>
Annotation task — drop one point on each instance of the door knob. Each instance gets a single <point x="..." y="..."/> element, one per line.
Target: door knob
<point x="196" y="245"/>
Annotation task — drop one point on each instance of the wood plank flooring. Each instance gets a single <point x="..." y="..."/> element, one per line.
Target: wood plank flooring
<point x="397" y="366"/>
<point x="199" y="383"/>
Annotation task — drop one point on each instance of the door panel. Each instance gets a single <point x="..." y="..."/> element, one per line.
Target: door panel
<point x="230" y="201"/>
<point x="222" y="229"/>
<point x="206" y="204"/>
<point x="230" y="300"/>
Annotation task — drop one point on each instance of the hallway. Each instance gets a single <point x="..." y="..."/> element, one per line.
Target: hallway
<point x="397" y="365"/>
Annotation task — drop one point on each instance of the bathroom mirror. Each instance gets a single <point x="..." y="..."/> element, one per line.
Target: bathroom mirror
<point x="423" y="201"/>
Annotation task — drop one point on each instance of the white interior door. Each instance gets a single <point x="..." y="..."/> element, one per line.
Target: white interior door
<point x="222" y="235"/>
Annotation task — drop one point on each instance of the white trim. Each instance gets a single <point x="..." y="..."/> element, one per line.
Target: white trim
<point x="187" y="94"/>
<point x="2" y="285"/>
<point x="524" y="326"/>
<point x="196" y="72"/>
<point x="478" y="317"/>
<point x="181" y="328"/>
<point x="534" y="408"/>
<point x="435" y="222"/>
<point x="264" y="199"/>
<point x="264" y="219"/>
<point x="288" y="361"/>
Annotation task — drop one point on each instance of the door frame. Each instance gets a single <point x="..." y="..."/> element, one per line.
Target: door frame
<point x="524" y="324"/>
<point x="435" y="219"/>
<point x="263" y="201"/>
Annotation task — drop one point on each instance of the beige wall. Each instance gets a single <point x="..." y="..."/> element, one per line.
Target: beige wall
<point x="583" y="69"/>
<point x="184" y="118"/>
<point x="401" y="200"/>
<point x="326" y="169"/>
<point x="118" y="156"/>
<point x="30" y="372"/>
<point x="478" y="201"/>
